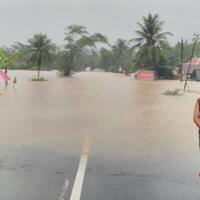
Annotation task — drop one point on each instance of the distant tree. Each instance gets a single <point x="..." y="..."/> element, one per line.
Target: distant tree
<point x="78" y="41"/>
<point x="122" y="55"/>
<point x="41" y="49"/>
<point x="90" y="59"/>
<point x="21" y="61"/>
<point x="106" y="59"/>
<point x="150" y="39"/>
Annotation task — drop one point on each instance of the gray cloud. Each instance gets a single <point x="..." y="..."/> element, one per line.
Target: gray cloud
<point x="20" y="19"/>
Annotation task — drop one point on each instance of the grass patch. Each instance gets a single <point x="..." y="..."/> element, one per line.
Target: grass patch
<point x="173" y="92"/>
<point x="39" y="79"/>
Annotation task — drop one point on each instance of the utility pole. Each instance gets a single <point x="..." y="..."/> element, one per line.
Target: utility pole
<point x="195" y="40"/>
<point x="181" y="61"/>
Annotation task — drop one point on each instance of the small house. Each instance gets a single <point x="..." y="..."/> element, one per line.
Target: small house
<point x="195" y="65"/>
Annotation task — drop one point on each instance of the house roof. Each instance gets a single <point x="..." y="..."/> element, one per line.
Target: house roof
<point x="195" y="61"/>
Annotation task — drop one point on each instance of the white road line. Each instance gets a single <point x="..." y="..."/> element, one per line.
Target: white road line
<point x="64" y="190"/>
<point x="78" y="183"/>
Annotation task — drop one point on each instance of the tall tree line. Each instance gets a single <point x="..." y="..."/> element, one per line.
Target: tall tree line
<point x="150" y="49"/>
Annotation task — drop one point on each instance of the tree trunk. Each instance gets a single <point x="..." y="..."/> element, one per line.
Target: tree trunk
<point x="126" y="71"/>
<point x="154" y="60"/>
<point x="6" y="72"/>
<point x="67" y="71"/>
<point x="38" y="74"/>
<point x="190" y="63"/>
<point x="181" y="63"/>
<point x="67" y="67"/>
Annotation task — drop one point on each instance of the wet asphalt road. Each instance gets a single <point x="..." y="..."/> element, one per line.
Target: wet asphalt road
<point x="143" y="145"/>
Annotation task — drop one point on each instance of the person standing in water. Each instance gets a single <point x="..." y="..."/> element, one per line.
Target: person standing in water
<point x="196" y="118"/>
<point x="14" y="81"/>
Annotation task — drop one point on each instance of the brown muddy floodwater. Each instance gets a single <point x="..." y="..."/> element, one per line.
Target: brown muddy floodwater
<point x="144" y="145"/>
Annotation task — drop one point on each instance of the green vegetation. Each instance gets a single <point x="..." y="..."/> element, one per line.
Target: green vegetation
<point x="39" y="79"/>
<point x="150" y="42"/>
<point x="148" y="50"/>
<point x="7" y="59"/>
<point x="41" y="50"/>
<point x="173" y="92"/>
<point x="78" y="43"/>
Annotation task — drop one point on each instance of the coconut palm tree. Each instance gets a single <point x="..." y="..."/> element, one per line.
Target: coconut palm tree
<point x="150" y="38"/>
<point x="41" y="49"/>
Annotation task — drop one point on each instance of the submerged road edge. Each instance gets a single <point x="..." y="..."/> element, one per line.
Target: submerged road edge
<point x="64" y="190"/>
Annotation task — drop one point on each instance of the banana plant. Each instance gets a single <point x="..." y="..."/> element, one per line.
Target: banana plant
<point x="5" y="60"/>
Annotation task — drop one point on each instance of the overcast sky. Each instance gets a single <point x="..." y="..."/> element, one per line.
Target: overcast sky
<point x="20" y="19"/>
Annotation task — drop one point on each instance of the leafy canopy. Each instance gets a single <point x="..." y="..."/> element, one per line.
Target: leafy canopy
<point x="79" y="42"/>
<point x="150" y="40"/>
<point x="41" y="49"/>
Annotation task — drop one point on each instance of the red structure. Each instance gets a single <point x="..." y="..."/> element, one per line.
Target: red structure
<point x="195" y="65"/>
<point x="145" y="75"/>
<point x="195" y="61"/>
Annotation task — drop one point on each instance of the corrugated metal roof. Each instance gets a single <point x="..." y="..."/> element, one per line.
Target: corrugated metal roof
<point x="195" y="61"/>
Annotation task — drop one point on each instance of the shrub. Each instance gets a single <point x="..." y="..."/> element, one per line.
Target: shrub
<point x="39" y="79"/>
<point x="164" y="73"/>
<point x="113" y="69"/>
<point x="173" y="92"/>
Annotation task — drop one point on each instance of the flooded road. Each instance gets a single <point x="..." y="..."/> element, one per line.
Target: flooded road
<point x="144" y="145"/>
